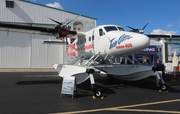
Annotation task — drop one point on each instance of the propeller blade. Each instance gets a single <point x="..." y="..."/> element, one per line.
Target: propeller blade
<point x="145" y="26"/>
<point x="131" y="28"/>
<point x="73" y="19"/>
<point x="55" y="21"/>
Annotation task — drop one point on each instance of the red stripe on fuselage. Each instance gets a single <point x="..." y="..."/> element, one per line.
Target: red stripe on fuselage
<point x="73" y="52"/>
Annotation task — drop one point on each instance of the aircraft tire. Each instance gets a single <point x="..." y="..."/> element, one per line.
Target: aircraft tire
<point x="98" y="94"/>
<point x="163" y="87"/>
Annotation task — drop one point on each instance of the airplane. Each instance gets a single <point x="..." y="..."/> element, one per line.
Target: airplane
<point x="96" y="49"/>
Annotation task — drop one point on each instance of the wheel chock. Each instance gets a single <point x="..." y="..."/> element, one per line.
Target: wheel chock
<point x="102" y="97"/>
<point x="93" y="97"/>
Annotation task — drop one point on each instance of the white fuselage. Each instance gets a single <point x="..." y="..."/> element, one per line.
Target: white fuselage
<point x="109" y="41"/>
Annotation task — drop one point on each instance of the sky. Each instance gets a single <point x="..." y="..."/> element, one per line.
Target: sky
<point x="163" y="15"/>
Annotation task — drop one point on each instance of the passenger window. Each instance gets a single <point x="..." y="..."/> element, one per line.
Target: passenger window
<point x="89" y="38"/>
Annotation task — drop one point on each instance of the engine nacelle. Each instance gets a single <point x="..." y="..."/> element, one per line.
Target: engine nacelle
<point x="62" y="31"/>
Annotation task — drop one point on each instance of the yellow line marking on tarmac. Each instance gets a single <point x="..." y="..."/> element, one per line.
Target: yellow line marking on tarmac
<point x="145" y="110"/>
<point x="123" y="108"/>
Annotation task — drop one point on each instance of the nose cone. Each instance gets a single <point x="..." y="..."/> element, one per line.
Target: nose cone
<point x="141" y="41"/>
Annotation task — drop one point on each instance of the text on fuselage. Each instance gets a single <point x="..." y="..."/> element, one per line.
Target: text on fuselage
<point x="122" y="38"/>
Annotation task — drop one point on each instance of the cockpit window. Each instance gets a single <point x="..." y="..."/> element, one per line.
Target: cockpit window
<point x="101" y="33"/>
<point x="121" y="29"/>
<point x="113" y="28"/>
<point x="110" y="28"/>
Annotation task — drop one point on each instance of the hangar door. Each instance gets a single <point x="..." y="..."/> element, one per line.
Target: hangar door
<point x="43" y="55"/>
<point x="20" y="50"/>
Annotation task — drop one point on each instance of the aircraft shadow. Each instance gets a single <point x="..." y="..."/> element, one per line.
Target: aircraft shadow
<point x="39" y="82"/>
<point x="149" y="83"/>
<point x="110" y="87"/>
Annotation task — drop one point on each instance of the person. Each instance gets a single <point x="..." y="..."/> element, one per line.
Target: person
<point x="160" y="67"/>
<point x="78" y="26"/>
<point x="122" y="61"/>
<point x="175" y="63"/>
<point x="145" y="62"/>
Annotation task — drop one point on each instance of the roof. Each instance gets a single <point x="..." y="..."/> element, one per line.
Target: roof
<point x="55" y="8"/>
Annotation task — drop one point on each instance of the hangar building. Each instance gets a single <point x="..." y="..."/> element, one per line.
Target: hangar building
<point x="26" y="50"/>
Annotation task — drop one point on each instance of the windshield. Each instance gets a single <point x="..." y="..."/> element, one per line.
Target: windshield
<point x="121" y="29"/>
<point x="113" y="28"/>
<point x="110" y="28"/>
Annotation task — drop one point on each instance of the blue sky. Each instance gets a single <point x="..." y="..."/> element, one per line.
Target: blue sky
<point x="163" y="15"/>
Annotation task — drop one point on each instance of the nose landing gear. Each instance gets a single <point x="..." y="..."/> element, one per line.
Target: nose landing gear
<point x="96" y="93"/>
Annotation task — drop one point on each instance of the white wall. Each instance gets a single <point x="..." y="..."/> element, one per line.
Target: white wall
<point x="19" y="50"/>
<point x="43" y="55"/>
<point x="14" y="50"/>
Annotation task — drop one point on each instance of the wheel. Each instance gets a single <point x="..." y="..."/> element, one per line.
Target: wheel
<point x="98" y="94"/>
<point x="163" y="87"/>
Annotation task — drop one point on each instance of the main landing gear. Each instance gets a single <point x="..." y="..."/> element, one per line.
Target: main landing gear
<point x="96" y="92"/>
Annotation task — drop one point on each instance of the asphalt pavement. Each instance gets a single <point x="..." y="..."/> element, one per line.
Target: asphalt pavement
<point x="38" y="92"/>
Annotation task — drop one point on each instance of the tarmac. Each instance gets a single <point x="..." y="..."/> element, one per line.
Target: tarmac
<point x="37" y="91"/>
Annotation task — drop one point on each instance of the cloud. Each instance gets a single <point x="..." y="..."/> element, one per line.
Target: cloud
<point x="170" y="25"/>
<point x="160" y="31"/>
<point x="55" y="5"/>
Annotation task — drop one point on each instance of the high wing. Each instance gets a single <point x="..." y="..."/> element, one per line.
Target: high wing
<point x="159" y="36"/>
<point x="59" y="31"/>
<point x="55" y="42"/>
<point x="26" y="29"/>
<point x="79" y="35"/>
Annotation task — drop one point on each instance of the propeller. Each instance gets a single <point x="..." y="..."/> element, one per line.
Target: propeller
<point x="63" y="29"/>
<point x="138" y="30"/>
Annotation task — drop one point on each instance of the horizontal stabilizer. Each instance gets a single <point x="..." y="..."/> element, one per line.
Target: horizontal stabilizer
<point x="54" y="42"/>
